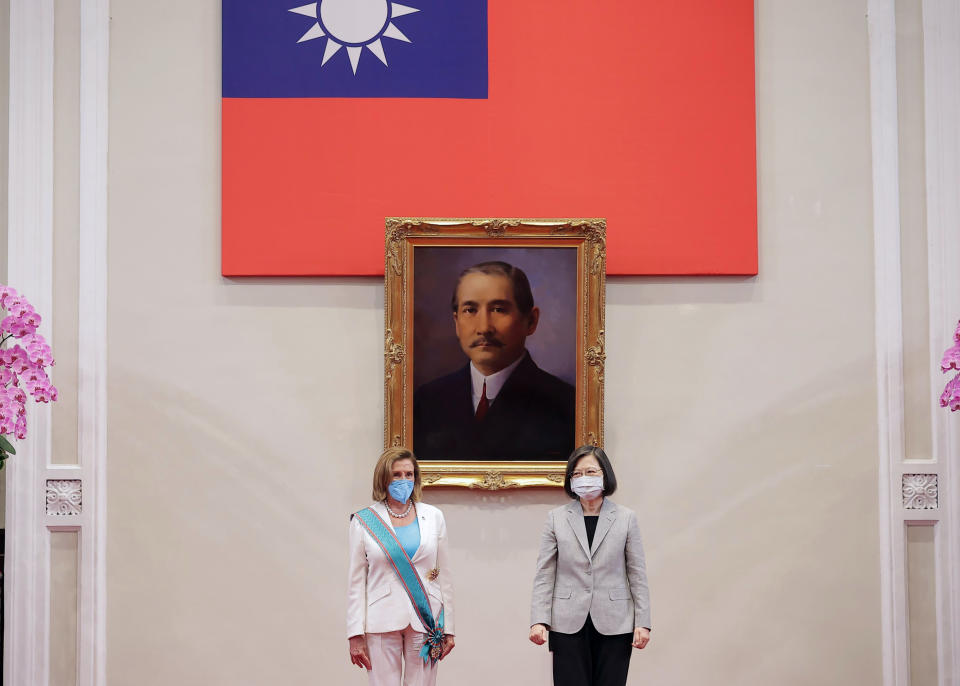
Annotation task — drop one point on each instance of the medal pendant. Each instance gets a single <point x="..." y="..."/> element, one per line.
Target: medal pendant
<point x="433" y="574"/>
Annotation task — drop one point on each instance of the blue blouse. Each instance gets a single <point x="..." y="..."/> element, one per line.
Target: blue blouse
<point x="409" y="537"/>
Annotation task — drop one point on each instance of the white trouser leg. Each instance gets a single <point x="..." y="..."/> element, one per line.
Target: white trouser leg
<point x="386" y="655"/>
<point x="416" y="671"/>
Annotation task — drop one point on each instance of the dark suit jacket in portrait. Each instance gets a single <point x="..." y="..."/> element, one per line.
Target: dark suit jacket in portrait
<point x="532" y="418"/>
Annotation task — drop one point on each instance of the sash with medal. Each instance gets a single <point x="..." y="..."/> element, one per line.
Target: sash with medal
<point x="383" y="534"/>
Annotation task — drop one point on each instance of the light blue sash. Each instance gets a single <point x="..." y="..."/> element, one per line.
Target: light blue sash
<point x="383" y="534"/>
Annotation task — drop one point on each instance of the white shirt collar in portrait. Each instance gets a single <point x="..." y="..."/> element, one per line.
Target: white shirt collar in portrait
<point x="494" y="382"/>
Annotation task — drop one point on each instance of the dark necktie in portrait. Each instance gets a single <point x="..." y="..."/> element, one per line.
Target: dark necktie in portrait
<point x="532" y="418"/>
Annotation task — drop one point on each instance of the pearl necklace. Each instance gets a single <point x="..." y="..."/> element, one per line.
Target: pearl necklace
<point x="402" y="514"/>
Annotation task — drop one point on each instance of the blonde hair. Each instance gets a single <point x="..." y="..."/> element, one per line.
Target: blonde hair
<point x="383" y="473"/>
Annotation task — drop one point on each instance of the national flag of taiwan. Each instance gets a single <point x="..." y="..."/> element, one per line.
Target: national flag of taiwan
<point x="339" y="113"/>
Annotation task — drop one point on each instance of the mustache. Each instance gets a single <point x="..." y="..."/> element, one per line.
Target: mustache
<point x="487" y="340"/>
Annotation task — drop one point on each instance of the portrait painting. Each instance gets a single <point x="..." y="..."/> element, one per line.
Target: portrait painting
<point x="494" y="346"/>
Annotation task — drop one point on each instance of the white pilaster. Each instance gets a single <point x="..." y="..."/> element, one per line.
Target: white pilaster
<point x="77" y="493"/>
<point x="881" y="22"/>
<point x="92" y="338"/>
<point x="30" y="268"/>
<point x="941" y="58"/>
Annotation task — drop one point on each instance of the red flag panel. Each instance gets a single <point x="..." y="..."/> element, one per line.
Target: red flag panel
<point x="640" y="112"/>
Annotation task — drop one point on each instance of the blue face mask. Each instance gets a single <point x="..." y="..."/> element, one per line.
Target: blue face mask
<point x="401" y="489"/>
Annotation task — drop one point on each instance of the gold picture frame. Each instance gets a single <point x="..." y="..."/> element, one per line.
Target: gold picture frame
<point x="405" y="235"/>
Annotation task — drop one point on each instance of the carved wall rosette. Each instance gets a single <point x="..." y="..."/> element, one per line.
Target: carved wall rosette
<point x="64" y="497"/>
<point x="403" y="236"/>
<point x="920" y="492"/>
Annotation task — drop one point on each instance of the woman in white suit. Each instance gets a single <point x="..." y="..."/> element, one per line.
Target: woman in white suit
<point x="590" y="592"/>
<point x="399" y="593"/>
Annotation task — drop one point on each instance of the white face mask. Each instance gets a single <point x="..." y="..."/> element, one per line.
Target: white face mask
<point x="588" y="487"/>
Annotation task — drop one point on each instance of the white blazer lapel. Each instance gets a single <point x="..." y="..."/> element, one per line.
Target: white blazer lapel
<point x="423" y="519"/>
<point x="575" y="517"/>
<point x="426" y="530"/>
<point x="381" y="510"/>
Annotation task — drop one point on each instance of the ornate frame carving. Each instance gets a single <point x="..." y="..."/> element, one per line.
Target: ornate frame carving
<point x="403" y="234"/>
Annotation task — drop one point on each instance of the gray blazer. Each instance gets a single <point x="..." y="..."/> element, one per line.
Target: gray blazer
<point x="608" y="582"/>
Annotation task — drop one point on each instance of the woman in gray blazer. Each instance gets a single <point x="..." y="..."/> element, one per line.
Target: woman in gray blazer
<point x="590" y="591"/>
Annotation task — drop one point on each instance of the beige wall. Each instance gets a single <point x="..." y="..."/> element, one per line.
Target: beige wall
<point x="919" y="552"/>
<point x="244" y="415"/>
<point x="913" y="231"/>
<point x="63" y="334"/>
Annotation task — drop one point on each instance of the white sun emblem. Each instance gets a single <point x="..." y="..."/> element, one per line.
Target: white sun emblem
<point x="354" y="24"/>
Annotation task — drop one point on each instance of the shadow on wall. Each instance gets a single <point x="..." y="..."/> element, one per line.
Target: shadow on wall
<point x="353" y="292"/>
<point x="760" y="527"/>
<point x="228" y="469"/>
<point x="744" y="541"/>
<point x="300" y="291"/>
<point x="683" y="290"/>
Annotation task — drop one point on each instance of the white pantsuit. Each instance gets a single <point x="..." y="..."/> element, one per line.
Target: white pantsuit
<point x="379" y="607"/>
<point x="389" y="650"/>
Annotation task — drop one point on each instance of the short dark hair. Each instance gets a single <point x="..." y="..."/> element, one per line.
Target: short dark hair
<point x="609" y="478"/>
<point x="521" y="285"/>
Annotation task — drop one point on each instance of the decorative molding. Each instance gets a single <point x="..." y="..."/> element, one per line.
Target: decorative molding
<point x="596" y="357"/>
<point x="505" y="475"/>
<point x="920" y="492"/>
<point x="393" y="354"/>
<point x="64" y="497"/>
<point x="881" y="25"/>
<point x="396" y="233"/>
<point x="941" y="81"/>
<point x="92" y="339"/>
<point x="403" y="235"/>
<point x="397" y="230"/>
<point x="30" y="267"/>
<point x="595" y="231"/>
<point x="493" y="481"/>
<point x="497" y="228"/>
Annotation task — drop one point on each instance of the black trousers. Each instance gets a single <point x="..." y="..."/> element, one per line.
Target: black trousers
<point x="588" y="658"/>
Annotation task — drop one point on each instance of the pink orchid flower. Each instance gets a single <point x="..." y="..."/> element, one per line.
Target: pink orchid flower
<point x="951" y="394"/>
<point x="22" y="365"/>
<point x="951" y="358"/>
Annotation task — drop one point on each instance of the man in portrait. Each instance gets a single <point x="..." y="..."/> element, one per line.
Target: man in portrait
<point x="500" y="405"/>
